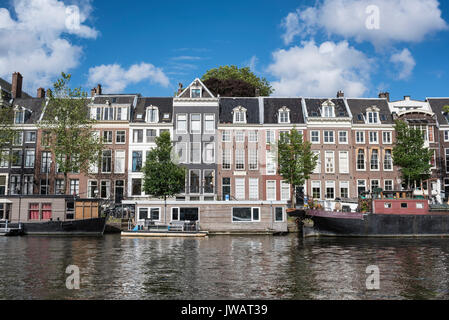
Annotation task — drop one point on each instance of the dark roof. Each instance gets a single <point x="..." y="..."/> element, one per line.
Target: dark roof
<point x="36" y="105"/>
<point x="114" y="99"/>
<point x="5" y="85"/>
<point x="165" y="106"/>
<point x="359" y="106"/>
<point x="227" y="105"/>
<point x="272" y="106"/>
<point x="8" y="87"/>
<point x="437" y="106"/>
<point x="314" y="107"/>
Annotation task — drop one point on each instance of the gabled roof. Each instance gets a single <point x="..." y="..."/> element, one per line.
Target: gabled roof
<point x="196" y="83"/>
<point x="227" y="105"/>
<point x="272" y="106"/>
<point x="437" y="105"/>
<point x="314" y="106"/>
<point x="35" y="105"/>
<point x="164" y="105"/>
<point x="358" y="107"/>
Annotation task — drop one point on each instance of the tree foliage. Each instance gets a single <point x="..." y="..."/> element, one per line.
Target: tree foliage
<point x="410" y="154"/>
<point x="6" y="131"/>
<point x="69" y="127"/>
<point x="243" y="74"/>
<point x="296" y="161"/>
<point x="162" y="177"/>
<point x="230" y="87"/>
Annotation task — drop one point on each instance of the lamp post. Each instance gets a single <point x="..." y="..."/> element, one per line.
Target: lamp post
<point x="19" y="192"/>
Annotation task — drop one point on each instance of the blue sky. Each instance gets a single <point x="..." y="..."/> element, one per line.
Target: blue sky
<point x="148" y="47"/>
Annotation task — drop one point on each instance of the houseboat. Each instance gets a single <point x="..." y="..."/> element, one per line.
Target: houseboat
<point x="387" y="214"/>
<point x="52" y="215"/>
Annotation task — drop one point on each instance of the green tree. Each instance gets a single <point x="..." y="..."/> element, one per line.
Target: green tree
<point x="69" y="127"/>
<point x="6" y="132"/>
<point x="410" y="154"/>
<point x="296" y="161"/>
<point x="162" y="177"/>
<point x="244" y="74"/>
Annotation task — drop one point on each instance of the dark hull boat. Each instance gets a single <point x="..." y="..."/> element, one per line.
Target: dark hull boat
<point x="86" y="227"/>
<point x="377" y="225"/>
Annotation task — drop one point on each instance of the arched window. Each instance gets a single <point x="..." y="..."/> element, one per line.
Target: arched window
<point x="239" y="115"/>
<point x="152" y="115"/>
<point x="284" y="115"/>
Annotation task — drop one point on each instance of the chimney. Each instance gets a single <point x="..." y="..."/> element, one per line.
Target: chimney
<point x="99" y="89"/>
<point x="49" y="93"/>
<point x="41" y="93"/>
<point x="16" y="85"/>
<point x="384" y="95"/>
<point x="257" y="92"/>
<point x="180" y="89"/>
<point x="93" y="92"/>
<point x="407" y="98"/>
<point x="340" y="94"/>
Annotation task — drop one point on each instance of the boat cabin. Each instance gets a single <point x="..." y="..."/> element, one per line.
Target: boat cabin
<point x="40" y="208"/>
<point x="401" y="203"/>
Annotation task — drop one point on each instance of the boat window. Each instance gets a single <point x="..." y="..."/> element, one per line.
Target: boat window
<point x="420" y="206"/>
<point x="404" y="205"/>
<point x="387" y="205"/>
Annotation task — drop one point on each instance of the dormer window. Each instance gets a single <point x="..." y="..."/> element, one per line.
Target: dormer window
<point x="328" y="109"/>
<point x="372" y="115"/>
<point x="195" y="92"/>
<point x="19" y="117"/>
<point x="152" y="115"/>
<point x="239" y="115"/>
<point x="284" y="115"/>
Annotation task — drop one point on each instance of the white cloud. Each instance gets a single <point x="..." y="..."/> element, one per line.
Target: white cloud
<point x="292" y="27"/>
<point x="400" y="20"/>
<point x="115" y="79"/>
<point x="405" y="63"/>
<point x="35" y="43"/>
<point x="312" y="70"/>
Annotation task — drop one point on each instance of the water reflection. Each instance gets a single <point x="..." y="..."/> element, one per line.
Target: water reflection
<point x="223" y="267"/>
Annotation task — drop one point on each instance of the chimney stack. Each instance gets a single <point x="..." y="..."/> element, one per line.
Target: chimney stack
<point x="93" y="92"/>
<point x="99" y="89"/>
<point x="16" y="85"/>
<point x="340" y="94"/>
<point x="41" y="93"/>
<point x="180" y="88"/>
<point x="384" y="95"/>
<point x="407" y="98"/>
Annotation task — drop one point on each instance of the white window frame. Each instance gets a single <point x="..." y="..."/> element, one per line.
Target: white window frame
<point x="207" y="121"/>
<point x="362" y="134"/>
<point x="385" y="184"/>
<point x="373" y="134"/>
<point x="390" y="134"/>
<point x="267" y="187"/>
<point x="329" y="184"/>
<point x="344" y="184"/>
<point x="285" y="187"/>
<point x="252" y="215"/>
<point x="199" y="121"/>
<point x="239" y="186"/>
<point x="345" y="135"/>
<point x="206" y="150"/>
<point x="242" y="112"/>
<point x="329" y="137"/>
<point x="283" y="110"/>
<point x="340" y="162"/>
<point x="326" y="153"/>
<point x="149" y="110"/>
<point x="119" y="159"/>
<point x="311" y="137"/>
<point x="253" y="184"/>
<point x="198" y="161"/>
<point x="178" y="131"/>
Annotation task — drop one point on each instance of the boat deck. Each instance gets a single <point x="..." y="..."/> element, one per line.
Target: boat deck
<point x="331" y="214"/>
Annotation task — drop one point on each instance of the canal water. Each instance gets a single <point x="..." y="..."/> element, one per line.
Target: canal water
<point x="223" y="267"/>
